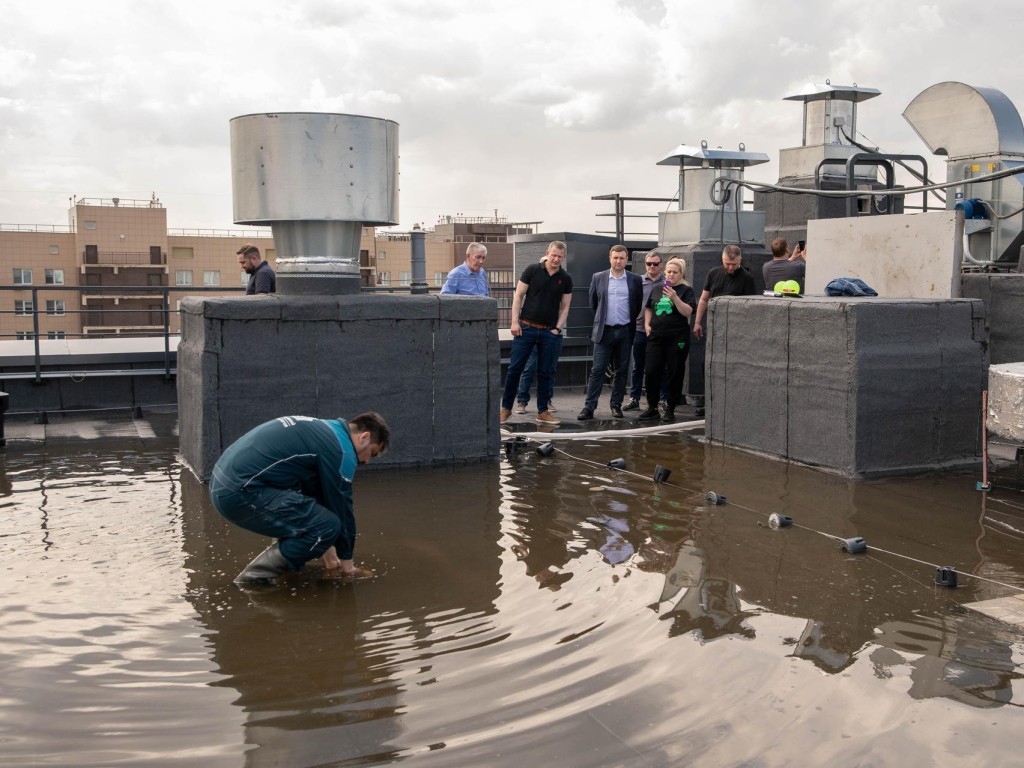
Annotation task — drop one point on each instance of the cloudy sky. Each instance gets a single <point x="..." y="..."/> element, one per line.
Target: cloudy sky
<point x="526" y="108"/>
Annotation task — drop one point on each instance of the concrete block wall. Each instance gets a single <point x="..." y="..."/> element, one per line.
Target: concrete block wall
<point x="428" y="364"/>
<point x="1006" y="401"/>
<point x="1003" y="295"/>
<point x="863" y="387"/>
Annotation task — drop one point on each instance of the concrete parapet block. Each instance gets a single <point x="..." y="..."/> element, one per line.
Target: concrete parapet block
<point x="1006" y="401"/>
<point x="864" y="387"/>
<point x="430" y="365"/>
<point x="468" y="308"/>
<point x="1003" y="296"/>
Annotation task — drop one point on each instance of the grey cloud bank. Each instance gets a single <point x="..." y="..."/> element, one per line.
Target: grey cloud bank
<point x="528" y="108"/>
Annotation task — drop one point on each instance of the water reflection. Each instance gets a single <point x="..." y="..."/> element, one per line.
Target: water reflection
<point x="540" y="609"/>
<point x="321" y="665"/>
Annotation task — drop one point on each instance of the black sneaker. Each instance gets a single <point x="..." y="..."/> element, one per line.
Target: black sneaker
<point x="649" y="414"/>
<point x="670" y="416"/>
<point x="585" y="415"/>
<point x="616" y="412"/>
<point x="698" y="413"/>
<point x="632" y="405"/>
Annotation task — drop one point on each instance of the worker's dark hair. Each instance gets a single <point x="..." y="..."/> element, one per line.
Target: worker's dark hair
<point x="374" y="423"/>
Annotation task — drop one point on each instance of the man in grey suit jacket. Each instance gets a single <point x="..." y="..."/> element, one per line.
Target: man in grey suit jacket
<point x="615" y="298"/>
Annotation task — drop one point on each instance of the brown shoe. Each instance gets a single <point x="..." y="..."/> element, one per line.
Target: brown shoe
<point x="503" y="416"/>
<point x="545" y="417"/>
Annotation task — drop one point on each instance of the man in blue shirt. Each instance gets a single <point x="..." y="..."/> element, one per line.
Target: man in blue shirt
<point x="615" y="298"/>
<point x="470" y="277"/>
<point x="291" y="478"/>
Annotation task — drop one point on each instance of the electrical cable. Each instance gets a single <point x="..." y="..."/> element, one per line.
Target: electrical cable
<point x="634" y="432"/>
<point x="726" y="182"/>
<point x="911" y="171"/>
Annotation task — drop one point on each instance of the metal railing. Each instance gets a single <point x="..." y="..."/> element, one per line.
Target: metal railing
<point x="254" y="233"/>
<point x="160" y="329"/>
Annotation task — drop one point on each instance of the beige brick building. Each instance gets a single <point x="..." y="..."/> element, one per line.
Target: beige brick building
<point x="123" y="253"/>
<point x="445" y="247"/>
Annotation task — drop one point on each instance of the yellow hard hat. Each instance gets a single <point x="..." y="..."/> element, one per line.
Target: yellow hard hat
<point x="787" y="286"/>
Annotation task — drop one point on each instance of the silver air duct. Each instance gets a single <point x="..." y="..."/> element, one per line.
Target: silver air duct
<point x="316" y="179"/>
<point x="980" y="132"/>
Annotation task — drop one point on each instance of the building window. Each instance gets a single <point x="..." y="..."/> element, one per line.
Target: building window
<point x="183" y="277"/>
<point x="381" y="255"/>
<point x="499" y="277"/>
<point x="405" y="278"/>
<point x="211" y="278"/>
<point x="55" y="334"/>
<point x="383" y="278"/>
<point x="54" y="276"/>
<point x="55" y="306"/>
<point x="439" y="278"/>
<point x="24" y="335"/>
<point x="181" y="253"/>
<point x="22" y="276"/>
<point x="54" y="250"/>
<point x="90" y="225"/>
<point x="22" y="307"/>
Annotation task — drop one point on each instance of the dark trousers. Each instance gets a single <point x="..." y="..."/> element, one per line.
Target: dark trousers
<point x="662" y="352"/>
<point x="614" y="347"/>
<point x="547" y="345"/>
<point x="303" y="528"/>
<point x="530" y="373"/>
<point x="636" y="387"/>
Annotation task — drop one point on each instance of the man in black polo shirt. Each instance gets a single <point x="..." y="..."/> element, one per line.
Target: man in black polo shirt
<point x="540" y="308"/>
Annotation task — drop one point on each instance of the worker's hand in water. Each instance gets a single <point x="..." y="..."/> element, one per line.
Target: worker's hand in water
<point x="344" y="569"/>
<point x="358" y="574"/>
<point x="352" y="574"/>
<point x="331" y="560"/>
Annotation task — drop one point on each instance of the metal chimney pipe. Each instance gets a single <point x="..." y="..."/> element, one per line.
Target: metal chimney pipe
<point x="316" y="179"/>
<point x="419" y="260"/>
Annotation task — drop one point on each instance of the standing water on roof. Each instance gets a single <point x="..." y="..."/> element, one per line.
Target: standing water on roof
<point x="544" y="610"/>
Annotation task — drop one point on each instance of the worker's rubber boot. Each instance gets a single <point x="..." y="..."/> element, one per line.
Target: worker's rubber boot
<point x="268" y="564"/>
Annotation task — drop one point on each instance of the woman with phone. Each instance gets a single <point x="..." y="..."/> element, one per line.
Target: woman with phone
<point x="667" y="323"/>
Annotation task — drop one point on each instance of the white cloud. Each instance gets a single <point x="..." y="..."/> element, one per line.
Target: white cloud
<point x="531" y="107"/>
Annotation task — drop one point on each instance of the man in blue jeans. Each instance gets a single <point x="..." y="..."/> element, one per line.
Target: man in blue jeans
<point x="530" y="374"/>
<point x="540" y="308"/>
<point x="291" y="478"/>
<point x="615" y="298"/>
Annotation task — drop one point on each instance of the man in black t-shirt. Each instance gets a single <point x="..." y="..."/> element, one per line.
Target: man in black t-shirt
<point x="730" y="279"/>
<point x="262" y="279"/>
<point x="540" y="308"/>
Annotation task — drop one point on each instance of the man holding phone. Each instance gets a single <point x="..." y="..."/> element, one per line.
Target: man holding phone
<point x="784" y="266"/>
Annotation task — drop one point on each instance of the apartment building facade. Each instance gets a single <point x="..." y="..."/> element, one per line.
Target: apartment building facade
<point x="445" y="248"/>
<point x="116" y="270"/>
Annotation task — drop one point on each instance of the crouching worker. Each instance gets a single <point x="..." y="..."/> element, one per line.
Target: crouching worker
<point x="291" y="478"/>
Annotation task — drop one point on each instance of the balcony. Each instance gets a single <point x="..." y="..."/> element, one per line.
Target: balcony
<point x="154" y="257"/>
